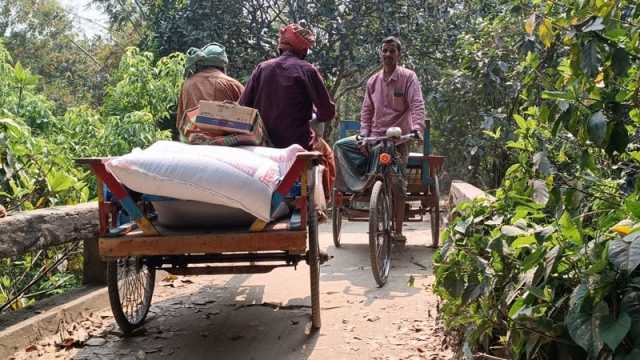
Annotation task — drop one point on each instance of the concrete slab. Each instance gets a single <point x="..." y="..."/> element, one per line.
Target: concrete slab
<point x="31" y="325"/>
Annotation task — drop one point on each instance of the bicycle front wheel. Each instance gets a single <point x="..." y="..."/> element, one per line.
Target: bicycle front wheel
<point x="380" y="233"/>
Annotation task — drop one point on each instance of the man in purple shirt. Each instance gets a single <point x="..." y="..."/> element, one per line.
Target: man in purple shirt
<point x="287" y="91"/>
<point x="393" y="98"/>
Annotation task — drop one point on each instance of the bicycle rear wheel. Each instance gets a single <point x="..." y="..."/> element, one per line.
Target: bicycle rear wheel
<point x="313" y="258"/>
<point x="130" y="285"/>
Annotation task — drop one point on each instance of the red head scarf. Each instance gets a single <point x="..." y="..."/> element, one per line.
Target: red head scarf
<point x="296" y="38"/>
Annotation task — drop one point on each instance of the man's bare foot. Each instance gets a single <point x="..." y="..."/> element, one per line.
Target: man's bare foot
<point x="322" y="217"/>
<point x="398" y="238"/>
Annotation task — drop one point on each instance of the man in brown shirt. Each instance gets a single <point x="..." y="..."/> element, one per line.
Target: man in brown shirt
<point x="285" y="90"/>
<point x="207" y="80"/>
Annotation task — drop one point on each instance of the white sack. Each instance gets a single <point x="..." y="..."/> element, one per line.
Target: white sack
<point x="229" y="176"/>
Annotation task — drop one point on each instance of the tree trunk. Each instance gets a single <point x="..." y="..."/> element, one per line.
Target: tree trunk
<point x="42" y="228"/>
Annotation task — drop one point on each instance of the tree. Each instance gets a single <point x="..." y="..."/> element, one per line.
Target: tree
<point x="40" y="35"/>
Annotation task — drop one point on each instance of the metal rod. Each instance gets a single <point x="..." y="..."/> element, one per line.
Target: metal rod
<point x="206" y="270"/>
<point x="209" y="258"/>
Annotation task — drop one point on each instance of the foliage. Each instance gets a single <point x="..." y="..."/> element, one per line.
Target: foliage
<point x="142" y="84"/>
<point x="73" y="69"/>
<point x="17" y="273"/>
<point x="550" y="268"/>
<point x="38" y="148"/>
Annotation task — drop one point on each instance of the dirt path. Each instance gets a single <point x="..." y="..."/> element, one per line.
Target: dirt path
<point x="267" y="316"/>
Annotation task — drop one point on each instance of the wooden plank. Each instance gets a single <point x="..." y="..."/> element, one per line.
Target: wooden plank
<point x="130" y="245"/>
<point x="309" y="155"/>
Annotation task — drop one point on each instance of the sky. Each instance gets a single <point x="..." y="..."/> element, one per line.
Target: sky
<point x="87" y="18"/>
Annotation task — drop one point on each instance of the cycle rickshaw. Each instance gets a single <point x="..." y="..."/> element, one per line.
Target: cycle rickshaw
<point x="135" y="249"/>
<point x="422" y="197"/>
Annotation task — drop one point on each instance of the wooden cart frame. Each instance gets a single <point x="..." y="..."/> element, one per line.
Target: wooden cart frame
<point x="135" y="250"/>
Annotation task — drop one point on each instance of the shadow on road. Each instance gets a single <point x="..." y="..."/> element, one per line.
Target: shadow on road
<point x="228" y="320"/>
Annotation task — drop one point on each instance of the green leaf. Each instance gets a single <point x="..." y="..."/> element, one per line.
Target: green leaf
<point x="597" y="127"/>
<point x="619" y="138"/>
<point x="472" y="291"/>
<point x="563" y="119"/>
<point x="60" y="181"/>
<point x="542" y="164"/>
<point x="556" y="95"/>
<point x="589" y="58"/>
<point x="614" y="330"/>
<point x="584" y="328"/>
<point x="631" y="305"/>
<point x="462" y="226"/>
<point x="522" y="123"/>
<point x="621" y="62"/>
<point x="632" y="206"/>
<point x="522" y="241"/>
<point x="569" y="230"/>
<point x="546" y="33"/>
<point x="595" y="25"/>
<point x="540" y="192"/>
<point x="513" y="231"/>
<point x="15" y="126"/>
<point x="515" y="308"/>
<point x="453" y="284"/>
<point x="533" y="259"/>
<point x="551" y="259"/>
<point x="625" y="253"/>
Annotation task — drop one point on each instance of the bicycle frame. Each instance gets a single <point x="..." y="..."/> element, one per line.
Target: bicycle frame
<point x="387" y="169"/>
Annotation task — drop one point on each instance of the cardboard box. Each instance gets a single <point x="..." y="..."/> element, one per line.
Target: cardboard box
<point x="227" y="117"/>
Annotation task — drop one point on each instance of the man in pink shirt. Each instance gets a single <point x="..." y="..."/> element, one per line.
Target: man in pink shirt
<point x="393" y="97"/>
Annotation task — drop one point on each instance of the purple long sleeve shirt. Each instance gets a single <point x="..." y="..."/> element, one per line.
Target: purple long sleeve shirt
<point x="396" y="101"/>
<point x="285" y="90"/>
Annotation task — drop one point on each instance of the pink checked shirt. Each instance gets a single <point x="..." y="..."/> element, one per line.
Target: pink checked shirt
<point x="394" y="102"/>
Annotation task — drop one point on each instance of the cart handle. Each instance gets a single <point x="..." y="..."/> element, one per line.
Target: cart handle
<point x="435" y="163"/>
<point x="303" y="159"/>
<point x="91" y="160"/>
<point x="309" y="155"/>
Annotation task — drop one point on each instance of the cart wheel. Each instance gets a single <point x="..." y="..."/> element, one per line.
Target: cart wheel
<point x="130" y="284"/>
<point x="313" y="259"/>
<point x="434" y="213"/>
<point x="336" y="219"/>
<point x="380" y="233"/>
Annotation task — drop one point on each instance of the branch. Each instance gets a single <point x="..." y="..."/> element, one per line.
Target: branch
<point x="360" y="83"/>
<point x="86" y="52"/>
<point x="144" y="15"/>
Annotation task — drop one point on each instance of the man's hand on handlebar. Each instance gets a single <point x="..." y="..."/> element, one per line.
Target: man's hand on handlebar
<point x="417" y="135"/>
<point x="362" y="145"/>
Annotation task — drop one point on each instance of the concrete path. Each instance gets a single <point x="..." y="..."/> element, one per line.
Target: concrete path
<point x="267" y="316"/>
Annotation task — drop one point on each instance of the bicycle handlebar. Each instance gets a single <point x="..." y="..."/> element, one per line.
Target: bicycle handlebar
<point x="396" y="139"/>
